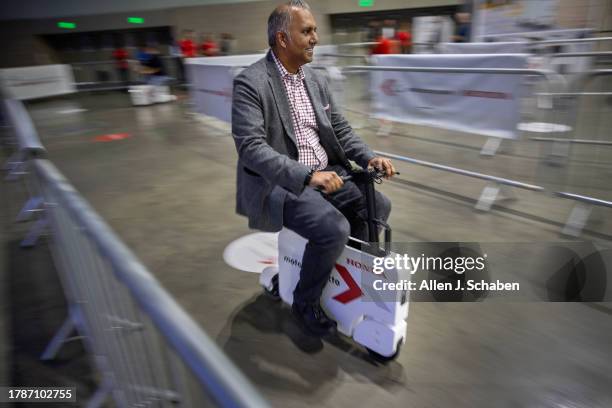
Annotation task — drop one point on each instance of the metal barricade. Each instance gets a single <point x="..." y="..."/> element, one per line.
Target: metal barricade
<point x="148" y="351"/>
<point x="28" y="144"/>
<point x="146" y="348"/>
<point x="28" y="147"/>
<point x="594" y="40"/>
<point x="104" y="75"/>
<point x="579" y="215"/>
<point x="100" y="74"/>
<point x="489" y="193"/>
<point x="553" y="81"/>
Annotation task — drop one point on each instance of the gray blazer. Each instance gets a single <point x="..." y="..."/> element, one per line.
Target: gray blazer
<point x="268" y="164"/>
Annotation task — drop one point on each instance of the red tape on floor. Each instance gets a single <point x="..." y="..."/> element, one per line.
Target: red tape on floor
<point x="111" y="137"/>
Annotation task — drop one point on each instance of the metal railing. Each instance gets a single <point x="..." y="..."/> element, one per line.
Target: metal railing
<point x="28" y="143"/>
<point x="27" y="147"/>
<point x="533" y="34"/>
<point x="94" y="75"/>
<point x="145" y="345"/>
<point x="572" y="41"/>
<point x="490" y="192"/>
<point x="579" y="216"/>
<point x="597" y="54"/>
<point x="572" y="141"/>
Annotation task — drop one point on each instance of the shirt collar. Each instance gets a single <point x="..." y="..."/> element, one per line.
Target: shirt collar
<point x="299" y="76"/>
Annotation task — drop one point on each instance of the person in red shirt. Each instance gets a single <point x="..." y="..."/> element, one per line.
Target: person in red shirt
<point x="188" y="46"/>
<point x="404" y="38"/>
<point x="188" y="50"/>
<point x="386" y="42"/>
<point x="209" y="47"/>
<point x="383" y="46"/>
<point x="120" y="55"/>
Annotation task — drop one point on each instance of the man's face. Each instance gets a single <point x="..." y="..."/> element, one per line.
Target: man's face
<point x="302" y="37"/>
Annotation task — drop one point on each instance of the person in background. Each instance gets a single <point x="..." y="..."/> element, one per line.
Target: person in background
<point x="186" y="49"/>
<point x="187" y="45"/>
<point x="209" y="46"/>
<point x="404" y="38"/>
<point x="120" y="55"/>
<point x="152" y="68"/>
<point x="385" y="45"/>
<point x="143" y="55"/>
<point x="462" y="28"/>
<point x="225" y="44"/>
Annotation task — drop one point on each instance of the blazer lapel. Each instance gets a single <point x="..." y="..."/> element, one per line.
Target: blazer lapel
<point x="280" y="97"/>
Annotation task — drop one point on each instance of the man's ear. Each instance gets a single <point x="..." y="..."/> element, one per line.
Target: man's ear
<point x="281" y="39"/>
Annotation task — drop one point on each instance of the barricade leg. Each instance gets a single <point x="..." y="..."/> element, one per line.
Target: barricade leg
<point x="559" y="153"/>
<point x="577" y="220"/>
<point x="491" y="146"/>
<point x="491" y="193"/>
<point x="487" y="197"/>
<point x="102" y="393"/>
<point x="61" y="337"/>
<point x="35" y="232"/>
<point x="34" y="204"/>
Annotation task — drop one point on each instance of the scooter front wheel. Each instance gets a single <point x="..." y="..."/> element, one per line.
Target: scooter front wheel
<point x="385" y="359"/>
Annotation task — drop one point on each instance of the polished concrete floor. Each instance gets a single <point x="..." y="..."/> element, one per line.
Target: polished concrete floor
<point x="168" y="191"/>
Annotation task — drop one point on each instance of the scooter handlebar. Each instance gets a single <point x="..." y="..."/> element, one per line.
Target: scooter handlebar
<point x="378" y="174"/>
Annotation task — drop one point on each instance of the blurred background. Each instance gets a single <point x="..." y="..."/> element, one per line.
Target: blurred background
<point x="118" y="198"/>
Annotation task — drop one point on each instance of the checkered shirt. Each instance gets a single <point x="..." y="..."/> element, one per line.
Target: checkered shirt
<point x="310" y="151"/>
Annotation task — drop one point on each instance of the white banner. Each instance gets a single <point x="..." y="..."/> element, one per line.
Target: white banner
<point x="515" y="16"/>
<point x="483" y="48"/>
<point x="212" y="81"/>
<point x="37" y="81"/>
<point x="212" y="78"/>
<point x="484" y="104"/>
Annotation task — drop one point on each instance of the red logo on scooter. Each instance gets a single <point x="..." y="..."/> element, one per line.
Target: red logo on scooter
<point x="353" y="292"/>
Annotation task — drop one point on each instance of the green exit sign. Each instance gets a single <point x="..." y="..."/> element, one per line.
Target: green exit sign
<point x="366" y="3"/>
<point x="66" y="24"/>
<point x="135" y="20"/>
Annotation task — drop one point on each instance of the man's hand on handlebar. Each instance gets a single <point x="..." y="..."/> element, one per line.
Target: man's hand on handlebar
<point x="384" y="165"/>
<point x="326" y="181"/>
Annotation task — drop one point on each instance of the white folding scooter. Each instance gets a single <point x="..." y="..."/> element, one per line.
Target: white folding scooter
<point x="376" y="320"/>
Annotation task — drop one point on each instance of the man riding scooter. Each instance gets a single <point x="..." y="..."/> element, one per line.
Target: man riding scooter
<point x="294" y="147"/>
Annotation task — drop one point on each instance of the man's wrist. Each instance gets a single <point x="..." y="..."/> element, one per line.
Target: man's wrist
<point x="308" y="177"/>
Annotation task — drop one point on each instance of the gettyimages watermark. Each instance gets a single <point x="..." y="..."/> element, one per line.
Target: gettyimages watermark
<point x="470" y="272"/>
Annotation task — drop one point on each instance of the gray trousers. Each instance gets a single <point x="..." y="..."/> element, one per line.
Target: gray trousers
<point x="326" y="222"/>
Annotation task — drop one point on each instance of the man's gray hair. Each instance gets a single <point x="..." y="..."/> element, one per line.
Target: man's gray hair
<point x="280" y="19"/>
